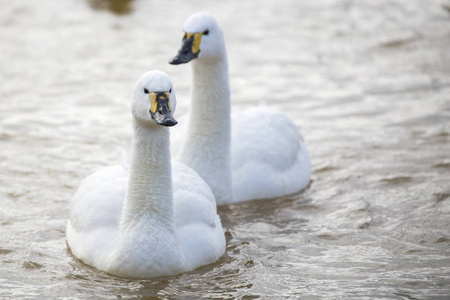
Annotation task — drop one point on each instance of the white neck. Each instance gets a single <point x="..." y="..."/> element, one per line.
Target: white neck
<point x="149" y="194"/>
<point x="206" y="148"/>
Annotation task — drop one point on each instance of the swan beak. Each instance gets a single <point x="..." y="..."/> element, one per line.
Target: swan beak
<point x="160" y="109"/>
<point x="190" y="48"/>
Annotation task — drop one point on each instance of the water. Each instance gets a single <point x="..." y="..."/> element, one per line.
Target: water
<point x="368" y="83"/>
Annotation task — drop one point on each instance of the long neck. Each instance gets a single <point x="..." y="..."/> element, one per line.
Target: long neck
<point x="210" y="107"/>
<point x="207" y="146"/>
<point x="149" y="194"/>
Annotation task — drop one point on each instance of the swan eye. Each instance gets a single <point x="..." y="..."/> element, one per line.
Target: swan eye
<point x="206" y="32"/>
<point x="146" y="91"/>
<point x="170" y="91"/>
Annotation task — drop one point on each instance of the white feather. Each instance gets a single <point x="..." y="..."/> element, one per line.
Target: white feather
<point x="134" y="224"/>
<point x="243" y="155"/>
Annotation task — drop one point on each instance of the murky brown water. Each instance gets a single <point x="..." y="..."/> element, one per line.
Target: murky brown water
<point x="368" y="83"/>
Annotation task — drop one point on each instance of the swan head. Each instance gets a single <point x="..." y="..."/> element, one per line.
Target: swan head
<point x="202" y="39"/>
<point x="154" y="100"/>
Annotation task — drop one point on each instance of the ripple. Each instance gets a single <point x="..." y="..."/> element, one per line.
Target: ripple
<point x="446" y="7"/>
<point x="443" y="240"/>
<point x="397" y="180"/>
<point x="441" y="197"/>
<point x="31" y="265"/>
<point x="5" y="251"/>
<point x="445" y="165"/>
<point x="119" y="7"/>
<point x="413" y="251"/>
<point x="328" y="237"/>
<point x="326" y="169"/>
<point x="6" y="137"/>
<point x="395" y="43"/>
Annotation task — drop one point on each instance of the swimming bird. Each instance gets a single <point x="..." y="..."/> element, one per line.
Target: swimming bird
<point x="243" y="155"/>
<point x="156" y="218"/>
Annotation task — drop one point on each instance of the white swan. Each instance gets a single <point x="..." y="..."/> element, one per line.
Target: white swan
<point x="134" y="225"/>
<point x="243" y="155"/>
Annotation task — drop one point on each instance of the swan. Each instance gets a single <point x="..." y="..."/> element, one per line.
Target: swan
<point x="133" y="223"/>
<point x="257" y="153"/>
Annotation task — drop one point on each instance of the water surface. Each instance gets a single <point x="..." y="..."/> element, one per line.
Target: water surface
<point x="367" y="82"/>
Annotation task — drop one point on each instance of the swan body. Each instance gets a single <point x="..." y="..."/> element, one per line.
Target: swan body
<point x="158" y="218"/>
<point x="243" y="155"/>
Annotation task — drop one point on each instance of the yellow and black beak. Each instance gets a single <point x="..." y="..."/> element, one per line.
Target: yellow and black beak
<point x="160" y="109"/>
<point x="190" y="48"/>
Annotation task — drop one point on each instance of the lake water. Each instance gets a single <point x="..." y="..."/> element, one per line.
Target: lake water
<point x="367" y="82"/>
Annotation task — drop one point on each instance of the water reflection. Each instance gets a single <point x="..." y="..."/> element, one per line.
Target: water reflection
<point x="119" y="7"/>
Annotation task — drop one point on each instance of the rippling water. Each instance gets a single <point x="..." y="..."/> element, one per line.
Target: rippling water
<point x="367" y="82"/>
